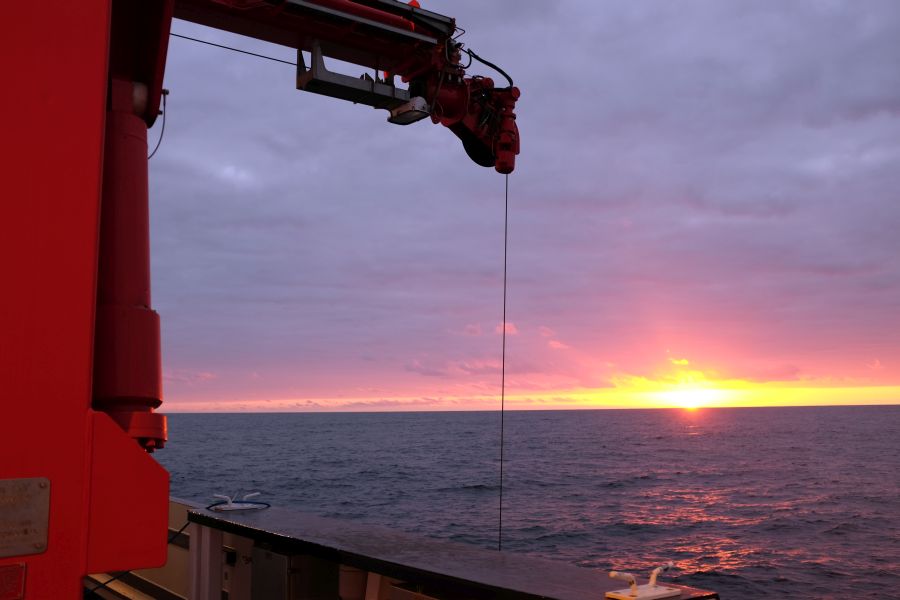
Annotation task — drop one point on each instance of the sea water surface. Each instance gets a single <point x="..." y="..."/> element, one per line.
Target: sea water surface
<point x="800" y="503"/>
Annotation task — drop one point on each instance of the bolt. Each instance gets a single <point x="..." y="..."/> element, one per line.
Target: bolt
<point x="39" y="545"/>
<point x="42" y="484"/>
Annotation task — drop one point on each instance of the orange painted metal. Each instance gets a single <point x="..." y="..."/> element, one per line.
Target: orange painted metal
<point x="12" y="581"/>
<point x="480" y="114"/>
<point x="125" y="527"/>
<point x="127" y="369"/>
<point x="52" y="158"/>
<point x="55" y="64"/>
<point x="367" y="12"/>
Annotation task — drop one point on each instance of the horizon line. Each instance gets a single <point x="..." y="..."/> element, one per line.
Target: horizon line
<point x="509" y="410"/>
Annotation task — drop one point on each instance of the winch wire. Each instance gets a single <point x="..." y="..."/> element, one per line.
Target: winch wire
<point x="503" y="358"/>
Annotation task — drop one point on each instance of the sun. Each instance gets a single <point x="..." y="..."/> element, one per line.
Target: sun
<point x="691" y="398"/>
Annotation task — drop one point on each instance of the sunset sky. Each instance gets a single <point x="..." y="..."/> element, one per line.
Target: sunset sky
<point x="706" y="211"/>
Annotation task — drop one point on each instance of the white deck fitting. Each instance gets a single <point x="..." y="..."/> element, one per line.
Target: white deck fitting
<point x="644" y="592"/>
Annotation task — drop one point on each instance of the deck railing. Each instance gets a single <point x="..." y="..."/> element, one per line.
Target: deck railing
<point x="280" y="554"/>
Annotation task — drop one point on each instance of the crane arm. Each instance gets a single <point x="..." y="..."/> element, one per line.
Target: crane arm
<point x="392" y="40"/>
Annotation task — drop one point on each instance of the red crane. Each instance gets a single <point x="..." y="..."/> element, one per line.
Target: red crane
<point x="79" y="341"/>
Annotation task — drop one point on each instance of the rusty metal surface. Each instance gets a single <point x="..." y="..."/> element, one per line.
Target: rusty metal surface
<point x="448" y="567"/>
<point x="24" y="515"/>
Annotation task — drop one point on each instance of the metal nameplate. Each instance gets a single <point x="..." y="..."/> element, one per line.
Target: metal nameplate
<point x="24" y="516"/>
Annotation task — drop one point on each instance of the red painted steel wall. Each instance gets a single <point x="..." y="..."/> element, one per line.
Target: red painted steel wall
<point x="54" y="64"/>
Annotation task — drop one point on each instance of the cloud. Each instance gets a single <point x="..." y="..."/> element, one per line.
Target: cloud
<point x="557" y="345"/>
<point x="726" y="187"/>
<point x="478" y="367"/>
<point x="466" y="367"/>
<point x="390" y="403"/>
<point x="188" y="377"/>
<point x="766" y="374"/>
<point x="511" y="329"/>
<point x="416" y="366"/>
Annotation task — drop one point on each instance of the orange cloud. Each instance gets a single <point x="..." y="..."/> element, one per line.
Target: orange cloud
<point x="511" y="329"/>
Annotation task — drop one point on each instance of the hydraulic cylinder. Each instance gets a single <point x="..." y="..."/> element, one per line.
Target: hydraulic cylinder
<point x="127" y="369"/>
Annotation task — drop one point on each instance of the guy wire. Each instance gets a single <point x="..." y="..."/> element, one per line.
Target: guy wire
<point x="503" y="358"/>
<point x="185" y="37"/>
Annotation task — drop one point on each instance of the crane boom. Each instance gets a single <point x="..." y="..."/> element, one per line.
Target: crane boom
<point x="80" y="352"/>
<point x="393" y="41"/>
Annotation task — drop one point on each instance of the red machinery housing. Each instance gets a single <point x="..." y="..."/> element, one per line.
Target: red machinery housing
<point x="79" y="341"/>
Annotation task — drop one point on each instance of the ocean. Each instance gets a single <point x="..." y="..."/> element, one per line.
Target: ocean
<point x="800" y="503"/>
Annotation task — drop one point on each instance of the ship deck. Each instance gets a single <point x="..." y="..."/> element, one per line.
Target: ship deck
<point x="278" y="553"/>
<point x="436" y="565"/>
